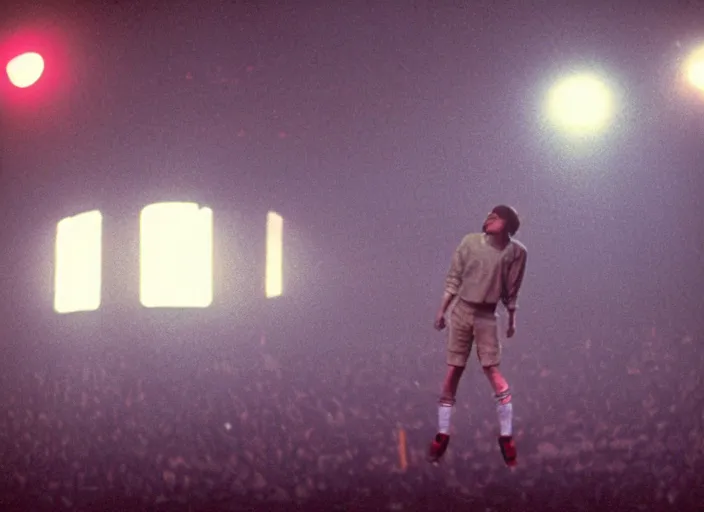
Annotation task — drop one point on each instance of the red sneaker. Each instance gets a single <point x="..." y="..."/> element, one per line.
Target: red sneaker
<point x="438" y="447"/>
<point x="508" y="450"/>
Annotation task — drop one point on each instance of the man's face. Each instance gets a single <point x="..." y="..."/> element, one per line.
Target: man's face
<point x="494" y="225"/>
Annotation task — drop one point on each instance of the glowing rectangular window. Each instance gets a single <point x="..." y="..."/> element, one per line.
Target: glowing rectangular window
<point x="176" y="256"/>
<point x="274" y="255"/>
<point x="78" y="265"/>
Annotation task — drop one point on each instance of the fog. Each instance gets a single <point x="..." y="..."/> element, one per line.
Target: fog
<point x="383" y="134"/>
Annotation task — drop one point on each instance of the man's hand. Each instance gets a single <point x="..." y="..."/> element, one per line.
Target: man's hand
<point x="440" y="320"/>
<point x="447" y="298"/>
<point x="511" y="330"/>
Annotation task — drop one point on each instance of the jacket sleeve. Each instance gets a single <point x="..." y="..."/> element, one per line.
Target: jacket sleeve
<point x="514" y="280"/>
<point x="453" y="281"/>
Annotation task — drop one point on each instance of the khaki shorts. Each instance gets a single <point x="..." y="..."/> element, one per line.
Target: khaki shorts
<point x="467" y="324"/>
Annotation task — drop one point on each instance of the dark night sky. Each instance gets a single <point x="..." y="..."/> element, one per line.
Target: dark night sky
<point x="383" y="133"/>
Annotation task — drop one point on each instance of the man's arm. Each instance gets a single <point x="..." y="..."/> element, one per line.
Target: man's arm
<point x="514" y="280"/>
<point x="447" y="299"/>
<point x="453" y="281"/>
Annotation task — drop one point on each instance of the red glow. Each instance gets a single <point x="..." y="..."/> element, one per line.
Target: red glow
<point x="35" y="68"/>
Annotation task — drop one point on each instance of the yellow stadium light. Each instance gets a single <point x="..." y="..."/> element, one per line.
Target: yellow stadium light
<point x="694" y="69"/>
<point x="580" y="104"/>
<point x="274" y="255"/>
<point x="78" y="264"/>
<point x="176" y="256"/>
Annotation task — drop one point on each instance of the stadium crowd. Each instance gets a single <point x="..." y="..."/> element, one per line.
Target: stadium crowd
<point x="261" y="426"/>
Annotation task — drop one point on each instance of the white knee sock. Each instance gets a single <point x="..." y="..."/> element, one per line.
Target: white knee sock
<point x="504" y="410"/>
<point x="444" y="415"/>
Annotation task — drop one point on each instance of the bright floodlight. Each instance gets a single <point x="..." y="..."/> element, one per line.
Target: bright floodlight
<point x="24" y="70"/>
<point x="77" y="278"/>
<point x="580" y="104"/>
<point x="274" y="255"/>
<point x="695" y="69"/>
<point x="176" y="256"/>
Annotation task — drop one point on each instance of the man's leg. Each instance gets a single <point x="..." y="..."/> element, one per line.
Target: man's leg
<point x="458" y="344"/>
<point x="502" y="394"/>
<point x="447" y="398"/>
<point x="489" y="352"/>
<point x="504" y="411"/>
